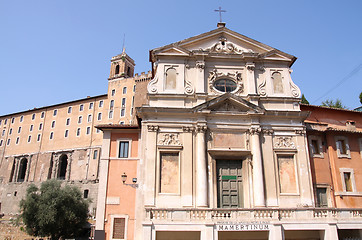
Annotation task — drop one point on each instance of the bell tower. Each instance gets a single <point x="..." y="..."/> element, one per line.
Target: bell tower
<point x="122" y="65"/>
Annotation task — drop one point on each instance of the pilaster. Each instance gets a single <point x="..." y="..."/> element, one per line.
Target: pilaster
<point x="258" y="180"/>
<point x="150" y="165"/>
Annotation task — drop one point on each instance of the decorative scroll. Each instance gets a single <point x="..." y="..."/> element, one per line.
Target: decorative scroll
<point x="151" y="87"/>
<point x="295" y="90"/>
<point x="189" y="90"/>
<point x="268" y="131"/>
<point x="223" y="46"/>
<point x="170" y="139"/>
<point x="284" y="142"/>
<point x="261" y="88"/>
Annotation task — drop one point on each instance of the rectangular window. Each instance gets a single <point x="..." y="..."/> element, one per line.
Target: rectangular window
<point x="111" y="104"/>
<point x="322" y="200"/>
<point x="33" y="117"/>
<point x="19" y="129"/>
<point x="119" y="226"/>
<point x="17" y="140"/>
<point x="123" y="149"/>
<point x="67" y="122"/>
<point x="80" y="119"/>
<point x="66" y="133"/>
<point x="347" y="182"/>
<point x="31" y="128"/>
<point x="8" y="143"/>
<point x="100" y="103"/>
<point x="10" y="131"/>
<point x="69" y="109"/>
<point x="1" y="142"/>
<point x="113" y="92"/>
<point x="81" y="107"/>
<point x="42" y="114"/>
<point x="123" y="112"/>
<point x="21" y="118"/>
<point x="89" y="118"/>
<point x="110" y="114"/>
<point x="40" y="126"/>
<point x="12" y="120"/>
<point x="55" y="112"/>
<point x="53" y="124"/>
<point x="38" y="138"/>
<point x="134" y="88"/>
<point x="95" y="154"/>
<point x="123" y="102"/>
<point x="88" y="130"/>
<point x="6" y="121"/>
<point x="51" y="135"/>
<point x="315" y="147"/>
<point x="29" y="138"/>
<point x="287" y="175"/>
<point x="99" y="116"/>
<point x="78" y="132"/>
<point x="124" y="90"/>
<point x="91" y="105"/>
<point x="169" y="172"/>
<point x="342" y="147"/>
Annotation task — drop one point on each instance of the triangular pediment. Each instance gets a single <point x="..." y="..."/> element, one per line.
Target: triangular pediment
<point x="228" y="102"/>
<point x="222" y="41"/>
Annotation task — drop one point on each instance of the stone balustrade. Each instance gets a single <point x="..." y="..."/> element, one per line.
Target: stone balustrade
<point x="255" y="214"/>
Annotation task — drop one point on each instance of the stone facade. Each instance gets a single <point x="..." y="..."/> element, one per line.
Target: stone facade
<point x="223" y="150"/>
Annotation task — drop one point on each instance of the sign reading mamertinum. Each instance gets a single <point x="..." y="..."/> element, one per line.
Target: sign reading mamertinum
<point x="242" y="226"/>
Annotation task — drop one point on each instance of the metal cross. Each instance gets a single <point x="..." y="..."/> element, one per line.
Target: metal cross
<point x="220" y="11"/>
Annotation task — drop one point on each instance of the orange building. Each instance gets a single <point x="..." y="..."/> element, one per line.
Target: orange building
<point x="335" y="148"/>
<point x="117" y="191"/>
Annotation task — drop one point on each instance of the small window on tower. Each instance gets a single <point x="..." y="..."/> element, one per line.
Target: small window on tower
<point x="117" y="70"/>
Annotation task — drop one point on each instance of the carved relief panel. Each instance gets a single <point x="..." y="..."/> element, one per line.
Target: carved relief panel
<point x="221" y="81"/>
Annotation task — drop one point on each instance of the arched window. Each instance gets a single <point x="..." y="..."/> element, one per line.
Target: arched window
<point x="277" y="82"/>
<point x="171" y="78"/>
<point x="117" y="69"/>
<point x="63" y="163"/>
<point x="22" y="169"/>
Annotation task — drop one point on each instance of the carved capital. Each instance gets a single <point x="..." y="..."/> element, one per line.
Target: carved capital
<point x="201" y="129"/>
<point x="152" y="128"/>
<point x="268" y="131"/>
<point x="300" y="132"/>
<point x="250" y="66"/>
<point x="284" y="142"/>
<point x="254" y="130"/>
<point x="200" y="65"/>
<point x="188" y="129"/>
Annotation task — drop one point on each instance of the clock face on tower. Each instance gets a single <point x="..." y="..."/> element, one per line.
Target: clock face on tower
<point x="225" y="85"/>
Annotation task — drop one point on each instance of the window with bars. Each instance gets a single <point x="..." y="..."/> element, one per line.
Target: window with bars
<point x="119" y="227"/>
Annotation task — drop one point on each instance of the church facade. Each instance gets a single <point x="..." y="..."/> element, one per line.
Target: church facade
<point x="222" y="150"/>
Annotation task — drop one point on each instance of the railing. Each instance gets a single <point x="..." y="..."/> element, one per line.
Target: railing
<point x="256" y="214"/>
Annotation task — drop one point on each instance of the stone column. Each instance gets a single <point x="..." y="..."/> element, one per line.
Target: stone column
<point x="330" y="233"/>
<point x="258" y="180"/>
<point x="201" y="167"/>
<point x="276" y="232"/>
<point x="269" y="169"/>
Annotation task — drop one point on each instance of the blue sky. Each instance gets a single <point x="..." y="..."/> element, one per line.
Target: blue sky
<point x="59" y="50"/>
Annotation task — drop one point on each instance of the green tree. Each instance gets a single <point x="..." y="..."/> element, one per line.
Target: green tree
<point x="304" y="100"/>
<point x="333" y="104"/>
<point x="55" y="211"/>
<point x="360" y="97"/>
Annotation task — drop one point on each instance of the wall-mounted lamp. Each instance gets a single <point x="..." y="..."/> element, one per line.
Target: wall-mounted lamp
<point x="134" y="180"/>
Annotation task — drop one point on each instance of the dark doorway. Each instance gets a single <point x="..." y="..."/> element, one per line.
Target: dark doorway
<point x="22" y="169"/>
<point x="63" y="164"/>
